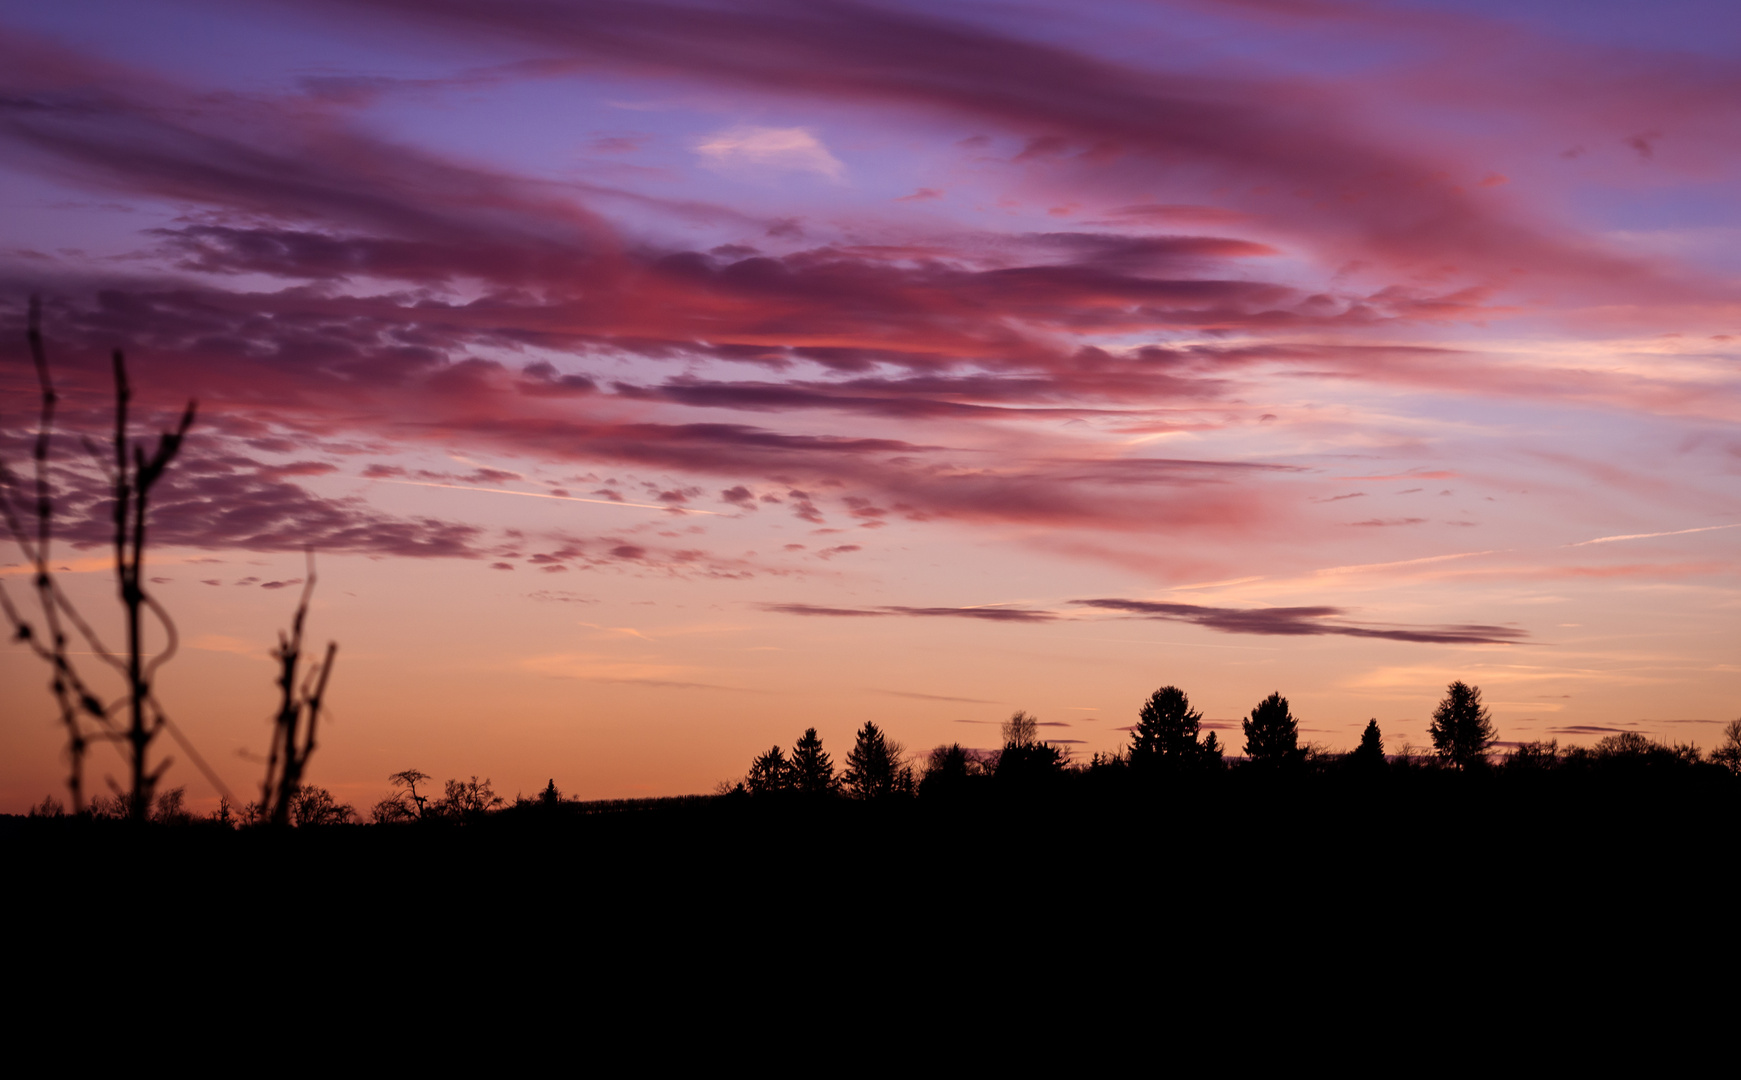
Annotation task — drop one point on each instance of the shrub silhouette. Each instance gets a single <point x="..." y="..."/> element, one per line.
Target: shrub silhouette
<point x="170" y="807"/>
<point x="1272" y="735"/>
<point x="1533" y="757"/>
<point x="1462" y="729"/>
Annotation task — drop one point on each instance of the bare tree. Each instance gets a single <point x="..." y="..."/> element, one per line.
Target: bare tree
<point x="1728" y="752"/>
<point x="404" y="804"/>
<point x="298" y="713"/>
<point x="467" y="800"/>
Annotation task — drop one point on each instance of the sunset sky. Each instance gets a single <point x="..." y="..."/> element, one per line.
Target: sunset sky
<point x="656" y="380"/>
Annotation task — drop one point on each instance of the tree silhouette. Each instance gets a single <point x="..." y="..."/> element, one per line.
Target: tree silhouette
<point x="1166" y="734"/>
<point x="1024" y="759"/>
<point x="404" y="804"/>
<point x="1370" y="752"/>
<point x="1462" y="729"/>
<point x="467" y="800"/>
<point x="170" y="807"/>
<point x="315" y="806"/>
<point x="811" y="772"/>
<point x="874" y="769"/>
<point x="1034" y="763"/>
<point x="1209" y="753"/>
<point x="1272" y="735"/>
<point x="770" y="772"/>
<point x="948" y="770"/>
<point x="1728" y="753"/>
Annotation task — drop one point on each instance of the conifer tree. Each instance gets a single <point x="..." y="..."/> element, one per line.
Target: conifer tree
<point x="874" y="768"/>
<point x="810" y="769"/>
<point x="1209" y="754"/>
<point x="1371" y="748"/>
<point x="1272" y="735"/>
<point x="1166" y="734"/>
<point x="770" y="772"/>
<point x="1462" y="729"/>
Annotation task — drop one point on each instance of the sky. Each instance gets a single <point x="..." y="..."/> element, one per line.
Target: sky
<point x="654" y="381"/>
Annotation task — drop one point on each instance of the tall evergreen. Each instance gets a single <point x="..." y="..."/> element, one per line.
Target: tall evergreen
<point x="874" y="768"/>
<point x="1272" y="735"/>
<point x="769" y="772"/>
<point x="1166" y="734"/>
<point x="949" y="770"/>
<point x="810" y="769"/>
<point x="1371" y="748"/>
<point x="1462" y="729"/>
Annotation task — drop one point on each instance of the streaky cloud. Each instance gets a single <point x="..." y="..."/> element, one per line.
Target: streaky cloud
<point x="1297" y="621"/>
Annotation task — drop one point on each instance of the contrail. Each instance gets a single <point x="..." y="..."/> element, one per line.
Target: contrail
<point x="1407" y="562"/>
<point x="1647" y="536"/>
<point x="542" y="495"/>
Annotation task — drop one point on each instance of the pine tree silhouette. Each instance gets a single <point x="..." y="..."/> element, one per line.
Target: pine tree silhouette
<point x="770" y="772"/>
<point x="1370" y="752"/>
<point x="1462" y="729"/>
<point x="1272" y="735"/>
<point x="812" y="773"/>
<point x="874" y="769"/>
<point x="1166" y="734"/>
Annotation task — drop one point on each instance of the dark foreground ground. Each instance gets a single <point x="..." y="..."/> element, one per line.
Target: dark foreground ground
<point x="702" y="927"/>
<point x="1440" y="856"/>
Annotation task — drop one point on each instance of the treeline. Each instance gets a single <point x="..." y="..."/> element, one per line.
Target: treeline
<point x="1168" y="750"/>
<point x="1168" y="742"/>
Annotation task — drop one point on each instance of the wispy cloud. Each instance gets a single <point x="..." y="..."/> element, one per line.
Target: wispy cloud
<point x="771" y="150"/>
<point x="1653" y="535"/>
<point x="1296" y="621"/>
<point x="1287" y="621"/>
